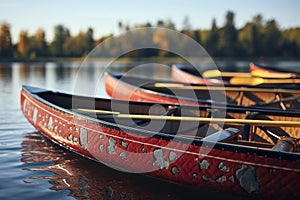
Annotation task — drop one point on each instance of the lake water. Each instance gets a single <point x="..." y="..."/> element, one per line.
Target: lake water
<point x="32" y="167"/>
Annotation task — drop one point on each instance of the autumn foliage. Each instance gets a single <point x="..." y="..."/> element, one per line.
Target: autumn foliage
<point x="255" y="39"/>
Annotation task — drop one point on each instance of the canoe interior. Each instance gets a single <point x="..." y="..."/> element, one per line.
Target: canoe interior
<point x="259" y="135"/>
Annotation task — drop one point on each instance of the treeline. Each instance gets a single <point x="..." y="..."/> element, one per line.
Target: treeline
<point x="36" y="46"/>
<point x="256" y="38"/>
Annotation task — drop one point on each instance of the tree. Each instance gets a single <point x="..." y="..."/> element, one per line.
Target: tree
<point x="257" y="35"/>
<point x="60" y="36"/>
<point x="245" y="39"/>
<point x="197" y="36"/>
<point x="212" y="41"/>
<point x="79" y="45"/>
<point x="257" y="20"/>
<point x="272" y="39"/>
<point x="6" y="48"/>
<point x="291" y="46"/>
<point x="120" y="26"/>
<point x="24" y="44"/>
<point x="229" y="36"/>
<point x="89" y="41"/>
<point x="39" y="44"/>
<point x="186" y="26"/>
<point x="170" y="25"/>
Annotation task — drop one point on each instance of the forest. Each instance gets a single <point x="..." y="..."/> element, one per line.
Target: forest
<point x="257" y="38"/>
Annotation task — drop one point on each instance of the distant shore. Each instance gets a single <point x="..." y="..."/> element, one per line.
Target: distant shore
<point x="150" y="59"/>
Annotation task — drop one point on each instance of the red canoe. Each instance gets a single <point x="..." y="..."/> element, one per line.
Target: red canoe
<point x="259" y="75"/>
<point x="257" y="69"/>
<point x="142" y="89"/>
<point x="219" y="159"/>
<point x="193" y="76"/>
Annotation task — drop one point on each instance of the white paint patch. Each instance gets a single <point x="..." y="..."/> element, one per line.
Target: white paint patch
<point x="159" y="159"/>
<point x="206" y="178"/>
<point x="172" y="156"/>
<point x="221" y="179"/>
<point x="101" y="136"/>
<point x="223" y="167"/>
<point x="204" y="164"/>
<point x="75" y="139"/>
<point x="125" y="144"/>
<point x="123" y="155"/>
<point x="175" y="170"/>
<point x="50" y="123"/>
<point x="83" y="138"/>
<point x="111" y="148"/>
<point x="247" y="178"/>
<point x="101" y="147"/>
<point x="70" y="137"/>
<point x="24" y="105"/>
<point x="35" y="114"/>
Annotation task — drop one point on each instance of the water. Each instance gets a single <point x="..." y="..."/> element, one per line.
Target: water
<point x="32" y="167"/>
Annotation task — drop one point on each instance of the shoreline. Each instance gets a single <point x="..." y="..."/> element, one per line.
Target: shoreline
<point x="153" y="59"/>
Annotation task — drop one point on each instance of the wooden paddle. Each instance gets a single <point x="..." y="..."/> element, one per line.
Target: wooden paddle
<point x="263" y="74"/>
<point x="203" y="119"/>
<point x="258" y="81"/>
<point x="217" y="73"/>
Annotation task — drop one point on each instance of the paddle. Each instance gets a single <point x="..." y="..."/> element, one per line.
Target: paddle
<point x="205" y="120"/>
<point x="258" y="81"/>
<point x="217" y="73"/>
<point x="257" y="70"/>
<point x="264" y="74"/>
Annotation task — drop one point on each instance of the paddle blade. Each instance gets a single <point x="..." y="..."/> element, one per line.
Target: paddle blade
<point x="217" y="73"/>
<point x="246" y="81"/>
<point x="211" y="73"/>
<point x="263" y="74"/>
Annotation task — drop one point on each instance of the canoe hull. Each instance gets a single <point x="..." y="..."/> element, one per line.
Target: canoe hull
<point x="117" y="90"/>
<point x="179" y="75"/>
<point x="256" y="69"/>
<point x="225" y="169"/>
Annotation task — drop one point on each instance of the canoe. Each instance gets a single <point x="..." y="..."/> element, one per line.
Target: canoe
<point x="218" y="159"/>
<point x="182" y="74"/>
<point x="258" y="76"/>
<point x="142" y="89"/>
<point x="256" y="69"/>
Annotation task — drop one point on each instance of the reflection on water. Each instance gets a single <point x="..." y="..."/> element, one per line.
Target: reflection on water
<point x="87" y="179"/>
<point x="88" y="77"/>
<point x="65" y="76"/>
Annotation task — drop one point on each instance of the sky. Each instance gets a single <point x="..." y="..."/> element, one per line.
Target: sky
<point x="103" y="16"/>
